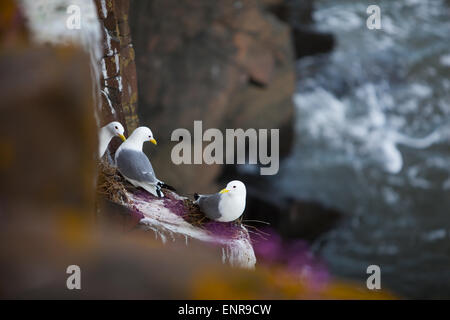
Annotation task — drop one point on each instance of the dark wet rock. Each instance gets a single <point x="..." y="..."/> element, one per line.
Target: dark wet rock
<point x="309" y="220"/>
<point x="310" y="42"/>
<point x="298" y="15"/>
<point x="292" y="219"/>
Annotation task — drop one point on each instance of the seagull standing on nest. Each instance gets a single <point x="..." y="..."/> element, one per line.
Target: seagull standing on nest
<point x="108" y="132"/>
<point x="226" y="205"/>
<point x="135" y="166"/>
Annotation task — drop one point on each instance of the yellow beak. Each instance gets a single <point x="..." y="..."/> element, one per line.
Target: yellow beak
<point x="152" y="140"/>
<point x="121" y="136"/>
<point x="224" y="191"/>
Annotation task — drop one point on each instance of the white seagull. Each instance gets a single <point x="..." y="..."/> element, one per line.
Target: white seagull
<point x="135" y="166"/>
<point x="226" y="205"/>
<point x="107" y="133"/>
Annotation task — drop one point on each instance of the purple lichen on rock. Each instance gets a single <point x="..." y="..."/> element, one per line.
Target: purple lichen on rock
<point x="136" y="213"/>
<point x="295" y="255"/>
<point x="228" y="230"/>
<point x="174" y="205"/>
<point x="175" y="217"/>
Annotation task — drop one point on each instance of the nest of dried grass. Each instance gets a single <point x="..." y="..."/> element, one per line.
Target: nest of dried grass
<point x="195" y="217"/>
<point x="193" y="214"/>
<point x="111" y="185"/>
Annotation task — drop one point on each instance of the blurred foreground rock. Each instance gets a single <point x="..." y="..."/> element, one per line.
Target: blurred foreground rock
<point x="47" y="128"/>
<point x="135" y="267"/>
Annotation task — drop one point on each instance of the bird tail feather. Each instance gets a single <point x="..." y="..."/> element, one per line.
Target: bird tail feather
<point x="166" y="186"/>
<point x="153" y="189"/>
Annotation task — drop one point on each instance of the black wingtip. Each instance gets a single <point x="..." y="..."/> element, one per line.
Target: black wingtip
<point x="166" y="186"/>
<point x="196" y="196"/>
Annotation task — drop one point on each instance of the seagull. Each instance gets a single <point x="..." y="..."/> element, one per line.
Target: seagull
<point x="135" y="166"/>
<point x="107" y="133"/>
<point x="226" y="205"/>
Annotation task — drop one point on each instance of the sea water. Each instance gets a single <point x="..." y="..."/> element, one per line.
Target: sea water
<point x="373" y="139"/>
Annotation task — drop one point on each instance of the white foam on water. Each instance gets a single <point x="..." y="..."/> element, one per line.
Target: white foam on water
<point x="435" y="235"/>
<point x="368" y="138"/>
<point x="445" y="60"/>
<point x="373" y="130"/>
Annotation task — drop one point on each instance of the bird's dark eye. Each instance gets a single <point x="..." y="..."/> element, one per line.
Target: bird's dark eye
<point x="234" y="186"/>
<point x="117" y="127"/>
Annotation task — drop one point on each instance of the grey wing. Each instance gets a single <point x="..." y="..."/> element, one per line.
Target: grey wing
<point x="136" y="166"/>
<point x="209" y="205"/>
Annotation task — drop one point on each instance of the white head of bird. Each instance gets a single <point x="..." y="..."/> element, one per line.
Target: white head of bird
<point x="234" y="189"/>
<point x="115" y="129"/>
<point x="107" y="132"/>
<point x="138" y="137"/>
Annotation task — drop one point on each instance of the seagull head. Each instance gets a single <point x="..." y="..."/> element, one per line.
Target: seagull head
<point x="234" y="188"/>
<point x="143" y="134"/>
<point x="116" y="129"/>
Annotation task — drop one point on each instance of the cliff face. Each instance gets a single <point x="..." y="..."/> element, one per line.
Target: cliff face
<point x="118" y="83"/>
<point x="104" y="34"/>
<point x="227" y="63"/>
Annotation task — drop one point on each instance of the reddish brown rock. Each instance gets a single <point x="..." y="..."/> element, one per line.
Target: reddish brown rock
<point x="227" y="63"/>
<point x="118" y="79"/>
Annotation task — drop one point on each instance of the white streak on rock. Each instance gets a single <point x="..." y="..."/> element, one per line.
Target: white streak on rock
<point x="108" y="42"/>
<point x="106" y="94"/>
<point x="104" y="10"/>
